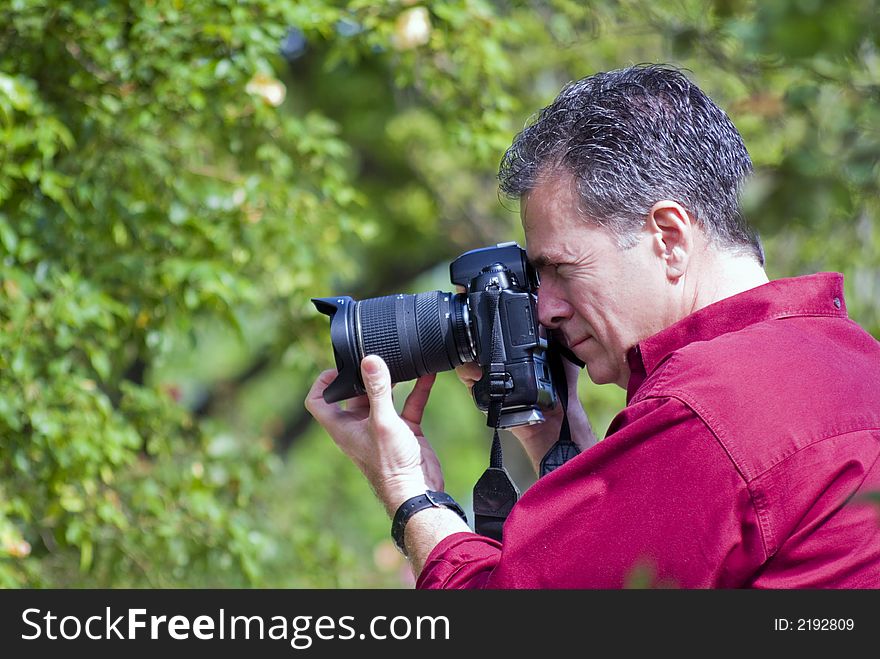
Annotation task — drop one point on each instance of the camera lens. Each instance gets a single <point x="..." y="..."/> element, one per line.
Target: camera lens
<point x="414" y="334"/>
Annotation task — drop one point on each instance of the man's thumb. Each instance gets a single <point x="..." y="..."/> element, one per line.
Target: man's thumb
<point x="377" y="381"/>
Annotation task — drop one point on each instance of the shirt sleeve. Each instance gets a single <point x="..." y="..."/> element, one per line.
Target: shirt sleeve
<point x="461" y="560"/>
<point x="658" y="502"/>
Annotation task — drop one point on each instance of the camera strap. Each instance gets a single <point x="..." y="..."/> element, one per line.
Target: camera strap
<point x="495" y="492"/>
<point x="564" y="449"/>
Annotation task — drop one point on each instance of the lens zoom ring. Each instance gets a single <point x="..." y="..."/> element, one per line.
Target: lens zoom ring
<point x="379" y="333"/>
<point x="430" y="334"/>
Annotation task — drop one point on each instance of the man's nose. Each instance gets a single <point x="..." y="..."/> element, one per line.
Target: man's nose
<point x="552" y="309"/>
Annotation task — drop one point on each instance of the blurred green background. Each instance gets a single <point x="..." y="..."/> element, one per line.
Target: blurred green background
<point x="177" y="179"/>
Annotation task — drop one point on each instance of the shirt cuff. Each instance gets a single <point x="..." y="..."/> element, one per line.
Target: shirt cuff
<point x="461" y="560"/>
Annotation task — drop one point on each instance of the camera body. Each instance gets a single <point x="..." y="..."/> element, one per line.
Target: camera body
<point x="493" y="323"/>
<point x="517" y="373"/>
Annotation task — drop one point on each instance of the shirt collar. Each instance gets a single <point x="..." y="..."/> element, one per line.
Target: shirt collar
<point x="811" y="295"/>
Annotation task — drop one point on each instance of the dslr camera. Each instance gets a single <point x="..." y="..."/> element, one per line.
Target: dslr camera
<point x="494" y="322"/>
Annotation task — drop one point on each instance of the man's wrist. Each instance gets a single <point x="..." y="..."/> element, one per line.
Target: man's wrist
<point x="393" y="493"/>
<point x="428" y="500"/>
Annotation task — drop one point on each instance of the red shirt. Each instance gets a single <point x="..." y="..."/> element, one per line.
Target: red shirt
<point x="749" y="440"/>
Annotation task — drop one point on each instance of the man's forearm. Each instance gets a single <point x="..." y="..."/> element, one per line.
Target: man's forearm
<point x="425" y="530"/>
<point x="537" y="439"/>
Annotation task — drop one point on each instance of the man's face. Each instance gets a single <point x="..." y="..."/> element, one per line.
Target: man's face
<point x="602" y="298"/>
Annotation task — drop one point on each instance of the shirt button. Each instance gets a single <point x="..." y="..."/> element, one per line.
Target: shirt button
<point x="837" y="302"/>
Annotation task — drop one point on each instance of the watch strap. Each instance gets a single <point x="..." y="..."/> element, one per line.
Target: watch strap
<point x="411" y="506"/>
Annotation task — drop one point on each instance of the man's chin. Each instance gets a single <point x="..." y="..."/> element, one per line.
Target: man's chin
<point x="598" y="375"/>
<point x="601" y="373"/>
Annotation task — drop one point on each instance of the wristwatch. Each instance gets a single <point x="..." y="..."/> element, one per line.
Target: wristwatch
<point x="413" y="505"/>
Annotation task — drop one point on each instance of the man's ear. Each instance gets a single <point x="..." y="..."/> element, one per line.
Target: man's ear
<point x="672" y="233"/>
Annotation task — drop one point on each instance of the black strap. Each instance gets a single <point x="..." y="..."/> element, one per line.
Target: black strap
<point x="495" y="492"/>
<point x="416" y="504"/>
<point x="564" y="449"/>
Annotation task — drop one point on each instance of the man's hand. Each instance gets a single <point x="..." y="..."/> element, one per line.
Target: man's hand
<point x="537" y="438"/>
<point x="390" y="450"/>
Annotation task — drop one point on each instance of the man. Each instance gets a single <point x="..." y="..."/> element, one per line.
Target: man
<point x="751" y="433"/>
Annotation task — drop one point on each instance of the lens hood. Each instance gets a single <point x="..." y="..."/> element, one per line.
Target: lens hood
<point x="348" y="382"/>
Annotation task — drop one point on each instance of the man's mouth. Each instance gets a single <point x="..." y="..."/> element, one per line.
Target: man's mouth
<point x="572" y="346"/>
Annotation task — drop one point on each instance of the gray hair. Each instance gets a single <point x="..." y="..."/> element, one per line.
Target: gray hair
<point x="631" y="138"/>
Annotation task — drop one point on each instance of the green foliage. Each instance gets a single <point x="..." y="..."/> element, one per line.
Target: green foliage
<point x="173" y="191"/>
<point x="147" y="180"/>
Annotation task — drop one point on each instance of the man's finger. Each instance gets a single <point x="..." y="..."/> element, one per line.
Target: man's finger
<point x="361" y="403"/>
<point x="315" y="403"/>
<point x="469" y="373"/>
<point x="414" y="407"/>
<point x="377" y="381"/>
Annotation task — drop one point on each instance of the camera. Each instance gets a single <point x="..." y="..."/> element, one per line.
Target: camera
<point x="494" y="322"/>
